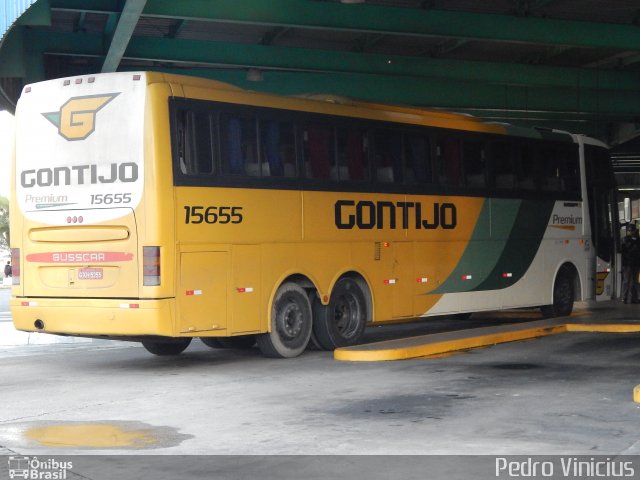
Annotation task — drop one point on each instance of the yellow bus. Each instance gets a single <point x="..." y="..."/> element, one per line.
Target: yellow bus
<point x="158" y="208"/>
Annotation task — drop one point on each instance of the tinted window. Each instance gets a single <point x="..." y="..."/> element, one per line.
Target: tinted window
<point x="417" y="169"/>
<point x="195" y="148"/>
<point x="474" y="164"/>
<point x="239" y="145"/>
<point x="504" y="165"/>
<point x="278" y="150"/>
<point x="387" y="148"/>
<point x="318" y="151"/>
<point x="353" y="155"/>
<point x="449" y="161"/>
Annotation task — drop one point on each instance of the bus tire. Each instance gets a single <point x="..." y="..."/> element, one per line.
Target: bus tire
<point x="291" y="323"/>
<point x="563" y="296"/>
<point x="241" y="342"/>
<point x="173" y="346"/>
<point x="341" y="322"/>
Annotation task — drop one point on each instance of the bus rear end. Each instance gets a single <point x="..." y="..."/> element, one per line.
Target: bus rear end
<point x="79" y="261"/>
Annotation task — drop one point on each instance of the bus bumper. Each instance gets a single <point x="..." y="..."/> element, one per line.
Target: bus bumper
<point x="94" y="317"/>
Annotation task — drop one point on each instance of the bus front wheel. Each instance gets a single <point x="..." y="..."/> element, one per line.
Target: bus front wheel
<point x="340" y="323"/>
<point x="290" y="323"/>
<point x="563" y="296"/>
<point x="174" y="346"/>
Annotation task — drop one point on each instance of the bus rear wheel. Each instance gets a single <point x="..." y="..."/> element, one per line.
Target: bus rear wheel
<point x="290" y="323"/>
<point x="341" y="322"/>
<point x="174" y="346"/>
<point x="563" y="296"/>
<point x="242" y="342"/>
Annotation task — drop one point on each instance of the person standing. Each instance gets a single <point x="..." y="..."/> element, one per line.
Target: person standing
<point x="7" y="269"/>
<point x="630" y="265"/>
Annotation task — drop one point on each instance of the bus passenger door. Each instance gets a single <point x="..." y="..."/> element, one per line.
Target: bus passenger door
<point x="603" y="216"/>
<point x="202" y="291"/>
<point x="604" y="235"/>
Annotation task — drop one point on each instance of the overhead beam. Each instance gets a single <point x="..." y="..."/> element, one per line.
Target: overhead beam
<point x="176" y="28"/>
<point x="284" y="58"/>
<point x="38" y="14"/>
<point x="126" y="24"/>
<point x="96" y="6"/>
<point x="401" y="21"/>
<point x="384" y="20"/>
<point x="445" y="93"/>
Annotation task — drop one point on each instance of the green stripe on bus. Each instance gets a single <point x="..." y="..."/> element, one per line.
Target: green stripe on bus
<point x="505" y="241"/>
<point x="485" y="248"/>
<point x="522" y="245"/>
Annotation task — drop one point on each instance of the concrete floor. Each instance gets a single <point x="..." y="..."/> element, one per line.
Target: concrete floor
<point x="569" y="394"/>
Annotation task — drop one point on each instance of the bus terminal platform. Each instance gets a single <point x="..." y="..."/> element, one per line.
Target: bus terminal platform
<point x="569" y="391"/>
<point x="524" y="324"/>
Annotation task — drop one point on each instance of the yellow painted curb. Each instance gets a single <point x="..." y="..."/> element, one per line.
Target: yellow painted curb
<point x="636" y="394"/>
<point x="603" y="327"/>
<point x="428" y="345"/>
<point x="428" y="349"/>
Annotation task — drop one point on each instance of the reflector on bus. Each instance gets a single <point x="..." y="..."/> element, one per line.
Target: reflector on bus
<point x="151" y="266"/>
<point x="15" y="266"/>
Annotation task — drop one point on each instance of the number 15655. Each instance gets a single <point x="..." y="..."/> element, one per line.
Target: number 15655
<point x="223" y="215"/>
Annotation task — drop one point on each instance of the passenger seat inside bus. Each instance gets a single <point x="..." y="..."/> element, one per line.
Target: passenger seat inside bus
<point x="384" y="174"/>
<point x="505" y="181"/>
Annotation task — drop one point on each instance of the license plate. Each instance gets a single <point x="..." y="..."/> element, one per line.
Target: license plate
<point x="90" y="274"/>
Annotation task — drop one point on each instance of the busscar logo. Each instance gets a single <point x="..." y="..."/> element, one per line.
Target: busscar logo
<point x="76" y="119"/>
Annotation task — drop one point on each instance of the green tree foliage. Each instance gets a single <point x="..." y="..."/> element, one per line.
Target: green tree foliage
<point x="4" y="223"/>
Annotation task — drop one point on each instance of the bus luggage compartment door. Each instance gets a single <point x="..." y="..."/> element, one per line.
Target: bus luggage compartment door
<point x="202" y="293"/>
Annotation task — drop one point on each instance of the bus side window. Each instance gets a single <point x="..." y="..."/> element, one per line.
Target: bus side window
<point x="318" y="151"/>
<point x="449" y="161"/>
<point x="353" y="155"/>
<point x="551" y="167"/>
<point x="196" y="144"/>
<point x="527" y="167"/>
<point x="474" y="163"/>
<point x="387" y="147"/>
<point x="418" y="159"/>
<point x="504" y="169"/>
<point x="278" y="150"/>
<point x="570" y="172"/>
<point x="239" y="153"/>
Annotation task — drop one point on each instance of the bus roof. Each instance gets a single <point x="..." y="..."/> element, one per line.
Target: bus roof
<point x="332" y="104"/>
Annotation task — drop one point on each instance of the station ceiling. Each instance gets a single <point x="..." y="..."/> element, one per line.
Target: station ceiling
<point x="570" y="64"/>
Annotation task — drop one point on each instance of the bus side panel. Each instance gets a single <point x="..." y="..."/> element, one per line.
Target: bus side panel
<point x="375" y="261"/>
<point x="245" y="289"/>
<point x="403" y="289"/>
<point x="202" y="291"/>
<point x="157" y="210"/>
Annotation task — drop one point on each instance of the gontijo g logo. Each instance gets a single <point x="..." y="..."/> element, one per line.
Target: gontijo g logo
<point x="76" y="119"/>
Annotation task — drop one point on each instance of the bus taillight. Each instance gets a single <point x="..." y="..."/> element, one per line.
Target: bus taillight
<point x="151" y="266"/>
<point x="15" y="266"/>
